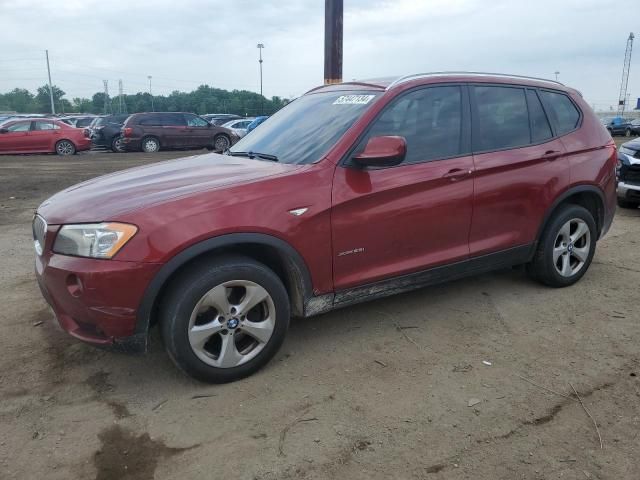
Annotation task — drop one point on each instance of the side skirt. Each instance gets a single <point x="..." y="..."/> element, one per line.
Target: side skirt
<point x="412" y="281"/>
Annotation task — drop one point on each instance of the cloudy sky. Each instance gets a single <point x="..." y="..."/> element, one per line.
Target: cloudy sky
<point x="185" y="43"/>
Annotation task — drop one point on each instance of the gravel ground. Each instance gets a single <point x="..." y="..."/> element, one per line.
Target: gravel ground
<point x="397" y="388"/>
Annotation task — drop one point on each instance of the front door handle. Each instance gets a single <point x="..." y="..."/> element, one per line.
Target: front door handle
<point x="551" y="155"/>
<point x="457" y="174"/>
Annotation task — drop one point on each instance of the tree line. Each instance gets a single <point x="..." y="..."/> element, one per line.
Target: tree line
<point x="204" y="99"/>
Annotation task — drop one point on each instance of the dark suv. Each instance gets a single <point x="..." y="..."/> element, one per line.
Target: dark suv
<point x="351" y="192"/>
<point x="150" y="132"/>
<point x="107" y="131"/>
<point x="629" y="174"/>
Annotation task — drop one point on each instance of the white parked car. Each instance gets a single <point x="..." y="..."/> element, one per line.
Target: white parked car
<point x="239" y="126"/>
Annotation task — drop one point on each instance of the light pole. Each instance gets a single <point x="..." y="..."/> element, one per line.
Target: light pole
<point x="557" y="73"/>
<point x="260" y="47"/>
<point x="150" y="93"/>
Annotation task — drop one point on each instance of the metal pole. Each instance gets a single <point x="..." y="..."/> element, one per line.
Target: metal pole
<point x="150" y="93"/>
<point x="260" y="47"/>
<point x="53" y="108"/>
<point x="557" y="73"/>
<point x="333" y="41"/>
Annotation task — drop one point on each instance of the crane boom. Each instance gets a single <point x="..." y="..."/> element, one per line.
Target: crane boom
<point x="622" y="99"/>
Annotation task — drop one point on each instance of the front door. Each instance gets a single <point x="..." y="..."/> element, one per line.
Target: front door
<point x="17" y="138"/>
<point x="391" y="221"/>
<point x="198" y="133"/>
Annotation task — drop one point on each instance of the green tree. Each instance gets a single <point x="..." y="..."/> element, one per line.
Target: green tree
<point x="43" y="99"/>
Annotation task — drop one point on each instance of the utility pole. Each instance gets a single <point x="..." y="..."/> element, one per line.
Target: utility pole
<point x="150" y="93"/>
<point x="557" y="73"/>
<point x="122" y="106"/>
<point x="107" y="102"/>
<point x="53" y="108"/>
<point x="260" y="47"/>
<point x="333" y="41"/>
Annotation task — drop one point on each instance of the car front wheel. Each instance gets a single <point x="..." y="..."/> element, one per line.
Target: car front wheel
<point x="566" y="247"/>
<point x="224" y="320"/>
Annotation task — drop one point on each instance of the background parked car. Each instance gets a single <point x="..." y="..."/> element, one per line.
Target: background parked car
<point x="617" y="126"/>
<point x="42" y="135"/>
<point x="220" y="118"/>
<point x="78" y="121"/>
<point x="628" y="174"/>
<point x="239" y="126"/>
<point x="635" y="127"/>
<point x="107" y="131"/>
<point x="150" y="132"/>
<point x="257" y="121"/>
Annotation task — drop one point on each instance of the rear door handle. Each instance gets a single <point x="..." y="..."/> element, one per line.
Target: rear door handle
<point x="551" y="155"/>
<point x="457" y="174"/>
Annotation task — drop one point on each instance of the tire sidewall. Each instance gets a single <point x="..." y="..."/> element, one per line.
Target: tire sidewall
<point x="552" y="277"/>
<point x="185" y="293"/>
<point x="215" y="140"/>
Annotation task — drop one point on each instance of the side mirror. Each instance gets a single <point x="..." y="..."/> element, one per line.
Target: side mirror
<point x="384" y="151"/>
<point x="4" y="130"/>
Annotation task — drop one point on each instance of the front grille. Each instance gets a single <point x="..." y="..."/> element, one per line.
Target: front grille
<point x="39" y="229"/>
<point x="632" y="175"/>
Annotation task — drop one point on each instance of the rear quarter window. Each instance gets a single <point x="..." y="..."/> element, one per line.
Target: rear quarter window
<point x="564" y="113"/>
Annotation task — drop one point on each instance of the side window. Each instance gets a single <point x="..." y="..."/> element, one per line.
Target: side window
<point x="429" y="119"/>
<point x="562" y="109"/>
<point x="193" y="121"/>
<point x="151" y="120"/>
<point x="540" y="128"/>
<point x="503" y="121"/>
<point x="173" y="120"/>
<point x="19" y="127"/>
<point x="43" y="125"/>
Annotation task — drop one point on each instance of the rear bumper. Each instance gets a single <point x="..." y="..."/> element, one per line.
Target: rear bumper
<point x="96" y="301"/>
<point x="83" y="144"/>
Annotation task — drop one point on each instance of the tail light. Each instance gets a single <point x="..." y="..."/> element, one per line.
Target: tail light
<point x="127" y="131"/>
<point x="87" y="133"/>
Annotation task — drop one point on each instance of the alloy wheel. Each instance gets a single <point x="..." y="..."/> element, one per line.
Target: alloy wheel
<point x="232" y="323"/>
<point x="150" y="145"/>
<point x="221" y="143"/>
<point x="65" y="148"/>
<point x="571" y="247"/>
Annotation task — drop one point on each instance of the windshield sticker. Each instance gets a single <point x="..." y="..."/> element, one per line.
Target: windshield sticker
<point x="353" y="99"/>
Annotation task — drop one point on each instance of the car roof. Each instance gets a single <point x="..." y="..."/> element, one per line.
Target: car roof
<point x="388" y="83"/>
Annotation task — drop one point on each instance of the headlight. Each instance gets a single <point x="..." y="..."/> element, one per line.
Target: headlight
<point x="95" y="240"/>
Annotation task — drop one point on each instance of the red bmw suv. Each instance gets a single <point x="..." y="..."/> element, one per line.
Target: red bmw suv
<point x="352" y="192"/>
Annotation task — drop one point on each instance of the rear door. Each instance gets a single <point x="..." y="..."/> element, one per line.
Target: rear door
<point x="44" y="134"/>
<point x="17" y="138"/>
<point x="520" y="166"/>
<point x="198" y="131"/>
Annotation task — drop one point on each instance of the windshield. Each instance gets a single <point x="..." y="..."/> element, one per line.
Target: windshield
<point x="304" y="130"/>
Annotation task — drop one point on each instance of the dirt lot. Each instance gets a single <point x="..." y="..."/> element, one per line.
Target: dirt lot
<point x="377" y="391"/>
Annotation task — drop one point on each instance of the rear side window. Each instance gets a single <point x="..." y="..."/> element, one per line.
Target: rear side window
<point x="151" y="120"/>
<point x="540" y="128"/>
<point x="43" y="125"/>
<point x="430" y="120"/>
<point x="173" y="120"/>
<point x="502" y="118"/>
<point x="562" y="109"/>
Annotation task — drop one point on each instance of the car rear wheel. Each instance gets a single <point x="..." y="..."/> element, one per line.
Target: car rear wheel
<point x="65" y="147"/>
<point x="622" y="203"/>
<point x="224" y="320"/>
<point x="117" y="145"/>
<point x="566" y="248"/>
<point x="221" y="143"/>
<point x="150" y="145"/>
<point x="627" y="132"/>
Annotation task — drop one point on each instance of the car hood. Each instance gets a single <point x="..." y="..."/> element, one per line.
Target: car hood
<point x="105" y="198"/>
<point x="633" y="144"/>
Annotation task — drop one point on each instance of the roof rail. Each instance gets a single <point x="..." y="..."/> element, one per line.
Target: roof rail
<point x="406" y="78"/>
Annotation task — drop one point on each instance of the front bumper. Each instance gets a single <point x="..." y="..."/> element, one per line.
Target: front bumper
<point x="628" y="191"/>
<point x="96" y="301"/>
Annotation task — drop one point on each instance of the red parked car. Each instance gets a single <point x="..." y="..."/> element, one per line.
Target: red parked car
<point x="352" y="192"/>
<point x="42" y="135"/>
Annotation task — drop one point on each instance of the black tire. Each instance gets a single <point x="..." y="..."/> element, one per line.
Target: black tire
<point x="622" y="203"/>
<point x="65" y="147"/>
<point x="116" y="145"/>
<point x="147" y="143"/>
<point x="542" y="267"/>
<point x="183" y="296"/>
<point x="221" y="142"/>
